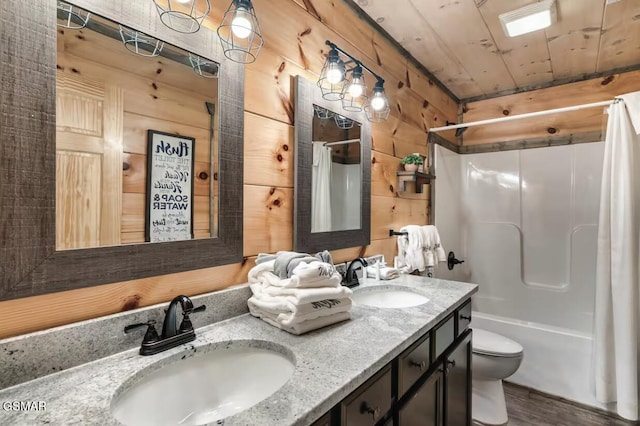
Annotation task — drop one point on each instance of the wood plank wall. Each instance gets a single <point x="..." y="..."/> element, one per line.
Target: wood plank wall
<point x="295" y="32"/>
<point x="569" y="124"/>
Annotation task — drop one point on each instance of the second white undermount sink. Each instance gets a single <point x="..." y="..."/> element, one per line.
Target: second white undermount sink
<point x="203" y="388"/>
<point x="388" y="297"/>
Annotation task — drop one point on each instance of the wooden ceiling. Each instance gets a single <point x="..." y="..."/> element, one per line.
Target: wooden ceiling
<point x="462" y="43"/>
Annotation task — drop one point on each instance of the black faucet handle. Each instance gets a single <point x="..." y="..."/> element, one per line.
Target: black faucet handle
<point x="186" y="324"/>
<point x="200" y="308"/>
<point x="150" y="336"/>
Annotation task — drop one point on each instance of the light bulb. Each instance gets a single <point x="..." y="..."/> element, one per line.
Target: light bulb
<point x="334" y="73"/>
<point x="240" y="25"/>
<point x="183" y="1"/>
<point x="378" y="102"/>
<point x="355" y="88"/>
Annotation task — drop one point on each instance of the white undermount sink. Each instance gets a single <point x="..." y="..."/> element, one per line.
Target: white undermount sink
<point x="203" y="388"/>
<point x="388" y="297"/>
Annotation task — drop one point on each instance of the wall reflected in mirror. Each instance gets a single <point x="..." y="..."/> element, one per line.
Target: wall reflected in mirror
<point x="114" y="85"/>
<point x="336" y="172"/>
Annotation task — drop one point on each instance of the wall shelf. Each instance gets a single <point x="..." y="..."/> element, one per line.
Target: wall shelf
<point x="417" y="177"/>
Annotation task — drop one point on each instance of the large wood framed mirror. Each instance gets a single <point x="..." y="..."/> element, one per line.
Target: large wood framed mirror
<point x="332" y="173"/>
<point x="117" y="161"/>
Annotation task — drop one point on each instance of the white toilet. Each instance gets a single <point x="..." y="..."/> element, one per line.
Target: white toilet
<point x="494" y="358"/>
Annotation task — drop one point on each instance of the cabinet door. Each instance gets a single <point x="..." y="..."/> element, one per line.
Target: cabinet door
<point x="423" y="409"/>
<point x="457" y="386"/>
<point x="323" y="421"/>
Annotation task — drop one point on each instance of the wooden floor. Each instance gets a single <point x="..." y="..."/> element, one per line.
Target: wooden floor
<point x="531" y="408"/>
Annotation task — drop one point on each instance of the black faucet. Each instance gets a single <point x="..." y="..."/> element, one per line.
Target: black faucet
<point x="350" y="278"/>
<point x="172" y="335"/>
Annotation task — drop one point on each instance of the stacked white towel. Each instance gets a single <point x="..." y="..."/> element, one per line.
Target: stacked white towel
<point x="420" y="249"/>
<point x="310" y="298"/>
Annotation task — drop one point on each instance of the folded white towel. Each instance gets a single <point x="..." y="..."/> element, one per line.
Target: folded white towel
<point x="411" y="247"/>
<point x="386" y="273"/>
<point x="281" y="305"/>
<point x="255" y="272"/>
<point x="312" y="274"/>
<point x="267" y="278"/>
<point x="307" y="326"/>
<point x="433" y="250"/>
<point x="427" y="249"/>
<point x="632" y="102"/>
<point x="288" y="314"/>
<point x="300" y="296"/>
<point x="440" y="253"/>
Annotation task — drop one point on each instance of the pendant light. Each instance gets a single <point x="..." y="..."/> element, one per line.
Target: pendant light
<point x="332" y="78"/>
<point x="203" y="67"/>
<point x="183" y="16"/>
<point x="72" y="17"/>
<point x="322" y="113"/>
<point x="355" y="91"/>
<point x="140" y="43"/>
<point x="343" y="122"/>
<point x="377" y="108"/>
<point x="239" y="32"/>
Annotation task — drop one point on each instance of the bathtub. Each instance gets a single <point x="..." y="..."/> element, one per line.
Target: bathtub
<point x="525" y="222"/>
<point x="556" y="361"/>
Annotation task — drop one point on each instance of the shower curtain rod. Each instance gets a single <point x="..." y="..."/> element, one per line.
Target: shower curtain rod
<point x="341" y="142"/>
<point x="519" y="116"/>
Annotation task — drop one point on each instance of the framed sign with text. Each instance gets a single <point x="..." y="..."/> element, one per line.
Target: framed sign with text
<point x="169" y="207"/>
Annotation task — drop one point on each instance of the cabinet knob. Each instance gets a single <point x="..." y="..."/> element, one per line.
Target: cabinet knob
<point x="421" y="365"/>
<point x="451" y="363"/>
<point x="464" y="317"/>
<point x="366" y="409"/>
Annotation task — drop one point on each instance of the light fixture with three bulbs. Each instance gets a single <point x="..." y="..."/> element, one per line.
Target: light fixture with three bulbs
<point x="345" y="82"/>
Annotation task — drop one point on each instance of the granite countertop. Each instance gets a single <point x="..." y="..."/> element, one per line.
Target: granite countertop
<point x="329" y="363"/>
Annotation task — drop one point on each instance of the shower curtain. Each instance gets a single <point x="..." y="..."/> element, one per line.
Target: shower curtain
<point x="321" y="188"/>
<point x="616" y="328"/>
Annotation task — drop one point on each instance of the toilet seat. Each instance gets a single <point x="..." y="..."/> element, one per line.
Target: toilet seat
<point x="491" y="344"/>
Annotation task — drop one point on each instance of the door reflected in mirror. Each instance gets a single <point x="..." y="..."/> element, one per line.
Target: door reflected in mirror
<point x="336" y="198"/>
<point x="122" y="95"/>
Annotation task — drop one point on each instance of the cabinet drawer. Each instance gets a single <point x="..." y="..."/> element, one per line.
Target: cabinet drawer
<point x="367" y="405"/>
<point x="464" y="317"/>
<point x="444" y="335"/>
<point x="412" y="364"/>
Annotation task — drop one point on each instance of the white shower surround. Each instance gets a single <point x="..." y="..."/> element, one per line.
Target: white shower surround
<point x="525" y="221"/>
<point x="345" y="196"/>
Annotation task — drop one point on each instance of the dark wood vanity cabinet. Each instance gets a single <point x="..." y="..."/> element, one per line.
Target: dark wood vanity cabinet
<point x="429" y="384"/>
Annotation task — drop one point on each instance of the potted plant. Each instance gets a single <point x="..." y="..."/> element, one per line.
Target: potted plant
<point x="411" y="162"/>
